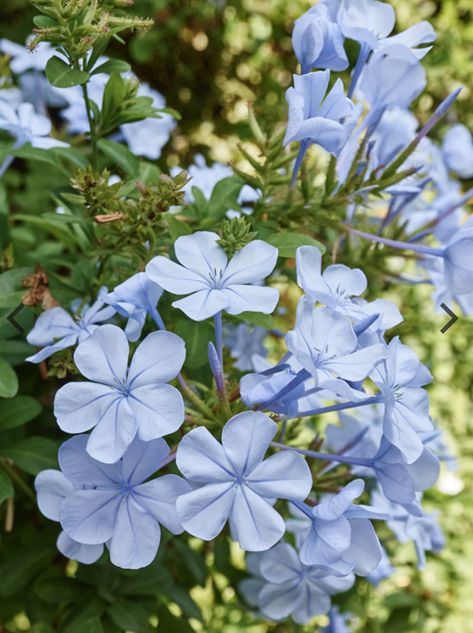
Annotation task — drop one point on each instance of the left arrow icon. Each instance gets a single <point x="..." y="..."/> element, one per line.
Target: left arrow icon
<point x="11" y="318"/>
<point x="451" y="314"/>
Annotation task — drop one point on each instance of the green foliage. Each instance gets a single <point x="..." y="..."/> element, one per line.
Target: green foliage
<point x="209" y="59"/>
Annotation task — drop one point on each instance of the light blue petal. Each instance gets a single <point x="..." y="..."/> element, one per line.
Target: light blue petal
<point x="159" y="496"/>
<point x="204" y="511"/>
<point x="246" y="438"/>
<point x="202" y="459"/>
<point x="250" y="299"/>
<point x="103" y="357"/>
<point x="81" y="470"/>
<point x="200" y="253"/>
<point x="114" y="433"/>
<point x="284" y="475"/>
<point x="89" y="516"/>
<point x="174" y="277"/>
<point x="251" y="264"/>
<point x="85" y="554"/>
<point x="157" y="359"/>
<point x="203" y="304"/>
<point x="280" y="564"/>
<point x="142" y="459"/>
<point x="51" y="489"/>
<point x="78" y="406"/>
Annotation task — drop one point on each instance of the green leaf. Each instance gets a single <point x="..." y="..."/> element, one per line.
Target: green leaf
<point x="112" y="66"/>
<point x="11" y="279"/>
<point x="33" y="454"/>
<point x="21" y="566"/>
<point x="48" y="156"/>
<point x="150" y="581"/>
<point x="43" y="21"/>
<point x="57" y="590"/>
<point x="6" y="487"/>
<point x="196" y="336"/>
<point x="41" y="628"/>
<point x="8" y="380"/>
<point x="90" y="625"/>
<point x="256" y="318"/>
<point x="288" y="242"/>
<point x="11" y="299"/>
<point x="225" y="196"/>
<point x="113" y="96"/>
<point x="129" y="616"/>
<point x="177" y="227"/>
<point x="18" y="411"/>
<point x="120" y="155"/>
<point x="60" y="75"/>
<point x="168" y="622"/>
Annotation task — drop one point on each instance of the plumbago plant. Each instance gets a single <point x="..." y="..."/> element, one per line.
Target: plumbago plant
<point x="239" y="412"/>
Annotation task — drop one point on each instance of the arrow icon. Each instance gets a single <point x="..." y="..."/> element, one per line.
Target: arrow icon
<point x="451" y="314"/>
<point x="11" y="318"/>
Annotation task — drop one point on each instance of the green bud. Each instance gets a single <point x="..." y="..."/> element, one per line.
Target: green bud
<point x="235" y="234"/>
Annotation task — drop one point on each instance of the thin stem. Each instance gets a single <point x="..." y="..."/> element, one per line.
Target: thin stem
<point x="360" y="63"/>
<point x="341" y="406"/>
<point x="293" y="384"/>
<point x="157" y="318"/>
<point x="18" y="480"/>
<point x="297" y="165"/>
<point x="417" y="248"/>
<point x="93" y="135"/>
<point x="196" y="401"/>
<point x="219" y="336"/>
<point x="329" y="457"/>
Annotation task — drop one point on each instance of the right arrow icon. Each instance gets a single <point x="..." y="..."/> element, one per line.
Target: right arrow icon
<point x="451" y="314"/>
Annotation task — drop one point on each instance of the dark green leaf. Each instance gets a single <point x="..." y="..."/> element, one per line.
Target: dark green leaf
<point x="6" y="487"/>
<point x="20" y="567"/>
<point x="256" y="318"/>
<point x="17" y="411"/>
<point x="120" y="155"/>
<point x="287" y="242"/>
<point x="129" y="616"/>
<point x="177" y="227"/>
<point x="8" y="379"/>
<point x="112" y="66"/>
<point x="61" y="75"/>
<point x="168" y="623"/>
<point x="33" y="454"/>
<point x="57" y="590"/>
<point x="196" y="336"/>
<point x="225" y="196"/>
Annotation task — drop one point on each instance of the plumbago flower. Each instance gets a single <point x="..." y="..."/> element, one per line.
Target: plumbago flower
<point x="212" y="282"/>
<point x="337" y="535"/>
<point x="318" y="40"/>
<point x="27" y="126"/>
<point x="99" y="504"/>
<point x="457" y="150"/>
<point x="122" y="401"/>
<point x="233" y="482"/>
<point x="317" y="117"/>
<point x="134" y="299"/>
<point x="56" y="329"/>
<point x="283" y="586"/>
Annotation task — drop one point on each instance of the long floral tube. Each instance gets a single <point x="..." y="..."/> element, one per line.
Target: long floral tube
<point x="341" y="406"/>
<point x="417" y="248"/>
<point x="329" y="457"/>
<point x="295" y="382"/>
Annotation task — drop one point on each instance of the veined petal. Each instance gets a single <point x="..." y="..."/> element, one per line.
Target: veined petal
<point x="280" y="565"/>
<point x="365" y="549"/>
<point x="78" y="406"/>
<point x="202" y="459"/>
<point x="253" y="521"/>
<point x="159" y="497"/>
<point x="284" y="475"/>
<point x="85" y="554"/>
<point x="204" y="511"/>
<point x="203" y="304"/>
<point x="201" y="253"/>
<point x="89" y="516"/>
<point x="51" y="489"/>
<point x="113" y="434"/>
<point x="157" y="359"/>
<point x="136" y="536"/>
<point x="174" y="277"/>
<point x="246" y="438"/>
<point x="243" y="298"/>
<point x="80" y="469"/>
<point x="253" y="263"/>
<point x="103" y="357"/>
<point x="143" y="459"/>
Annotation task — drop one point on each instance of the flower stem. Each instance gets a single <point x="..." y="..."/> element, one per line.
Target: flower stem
<point x="416" y="248"/>
<point x="15" y="477"/>
<point x="340" y="406"/>
<point x="329" y="457"/>
<point x="297" y="165"/>
<point x="219" y="336"/>
<point x="93" y="135"/>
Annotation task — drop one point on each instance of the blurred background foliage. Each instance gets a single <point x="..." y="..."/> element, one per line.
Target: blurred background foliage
<point x="209" y="59"/>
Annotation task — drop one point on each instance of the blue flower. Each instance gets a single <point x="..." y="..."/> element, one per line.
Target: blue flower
<point x="424" y="530"/>
<point x="400" y="481"/>
<point x="458" y="260"/>
<point x="149" y="136"/>
<point x="384" y="569"/>
<point x="409" y="40"/>
<point x="203" y="177"/>
<point x="283" y="586"/>
<point x="212" y="282"/>
<point x="245" y="342"/>
<point x="338" y="622"/>
<point x="326" y="346"/>
<point x="366" y="21"/>
<point x="134" y="299"/>
<point x="339" y="288"/>
<point x="316" y="117"/>
<point x="55" y="329"/>
<point x="23" y="58"/>
<point x="337" y="535"/>
<point x="391" y="82"/>
<point x="317" y="39"/>
<point x="122" y="401"/>
<point x="232" y="482"/>
<point x="400" y="379"/>
<point x="110" y="504"/>
<point x="51" y="489"/>
<point x="457" y="150"/>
